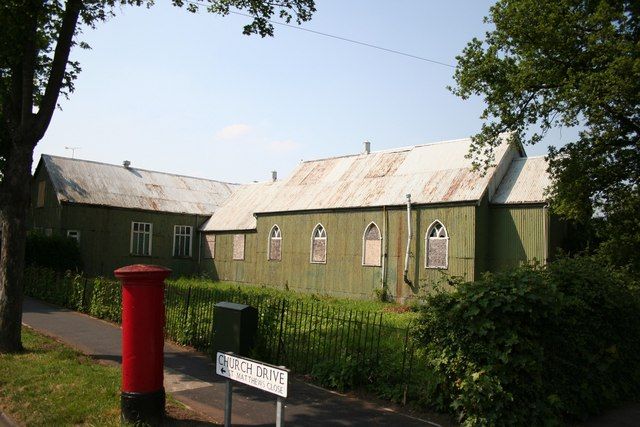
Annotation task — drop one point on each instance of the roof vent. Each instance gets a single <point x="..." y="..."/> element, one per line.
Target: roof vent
<point x="126" y="164"/>
<point x="274" y="176"/>
<point x="366" y="147"/>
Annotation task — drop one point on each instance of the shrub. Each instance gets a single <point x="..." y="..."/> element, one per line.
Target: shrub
<point x="55" y="252"/>
<point x="531" y="346"/>
<point x="106" y="300"/>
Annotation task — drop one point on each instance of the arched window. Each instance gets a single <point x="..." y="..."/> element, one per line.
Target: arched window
<point x="437" y="246"/>
<point x="319" y="245"/>
<point x="371" y="245"/>
<point x="275" y="244"/>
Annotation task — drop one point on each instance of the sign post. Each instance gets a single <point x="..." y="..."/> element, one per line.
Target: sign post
<point x="272" y="379"/>
<point x="280" y="412"/>
<point x="227" y="404"/>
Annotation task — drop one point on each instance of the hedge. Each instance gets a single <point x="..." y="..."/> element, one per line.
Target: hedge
<point x="534" y="346"/>
<point x="55" y="252"/>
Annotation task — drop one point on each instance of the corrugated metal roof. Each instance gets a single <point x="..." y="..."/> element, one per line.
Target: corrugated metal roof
<point x="94" y="183"/>
<point x="525" y="182"/>
<point x="431" y="173"/>
<point x="238" y="212"/>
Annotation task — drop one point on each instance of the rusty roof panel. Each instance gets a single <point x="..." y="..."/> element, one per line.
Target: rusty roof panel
<point x="94" y="183"/>
<point x="525" y="182"/>
<point x="431" y="173"/>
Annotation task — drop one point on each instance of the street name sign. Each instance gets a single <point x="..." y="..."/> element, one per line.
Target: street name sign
<point x="254" y="373"/>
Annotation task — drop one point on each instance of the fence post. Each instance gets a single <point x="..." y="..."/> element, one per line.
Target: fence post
<point x="408" y="377"/>
<point x="404" y="351"/>
<point x="378" y="341"/>
<point x="83" y="301"/>
<point x="186" y="309"/>
<point x="282" y="311"/>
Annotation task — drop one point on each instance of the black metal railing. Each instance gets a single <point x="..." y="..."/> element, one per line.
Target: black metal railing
<point x="348" y="346"/>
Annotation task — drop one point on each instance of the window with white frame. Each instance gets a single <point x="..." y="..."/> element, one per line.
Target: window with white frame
<point x="210" y="246"/>
<point x="182" y="236"/>
<point x="275" y="244"/>
<point x="141" y="233"/>
<point x="238" y="247"/>
<point x="319" y="245"/>
<point x="437" y="246"/>
<point x="371" y="246"/>
<point x="74" y="235"/>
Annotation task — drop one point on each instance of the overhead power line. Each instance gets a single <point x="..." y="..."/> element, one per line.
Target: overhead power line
<point x="320" y="33"/>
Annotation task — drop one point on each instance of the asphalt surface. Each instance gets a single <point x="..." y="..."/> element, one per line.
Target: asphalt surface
<point x="190" y="378"/>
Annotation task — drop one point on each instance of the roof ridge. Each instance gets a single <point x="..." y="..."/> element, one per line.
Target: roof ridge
<point x="140" y="169"/>
<point x="389" y="150"/>
<point x="542" y="156"/>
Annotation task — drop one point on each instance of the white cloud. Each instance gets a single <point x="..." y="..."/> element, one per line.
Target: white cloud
<point x="233" y="132"/>
<point x="283" y="146"/>
<point x="250" y="136"/>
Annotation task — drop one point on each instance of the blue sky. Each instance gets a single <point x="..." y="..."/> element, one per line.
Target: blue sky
<point x="190" y="94"/>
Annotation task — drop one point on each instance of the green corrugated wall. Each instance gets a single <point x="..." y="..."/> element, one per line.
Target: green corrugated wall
<point x="49" y="215"/>
<point x="517" y="235"/>
<point x="344" y="274"/>
<point x="105" y="238"/>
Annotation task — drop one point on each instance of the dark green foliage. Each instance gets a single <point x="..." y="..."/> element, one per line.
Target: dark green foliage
<point x="534" y="346"/>
<point x="106" y="300"/>
<point x="98" y="297"/>
<point x="55" y="252"/>
<point x="552" y="63"/>
<point x="341" y="376"/>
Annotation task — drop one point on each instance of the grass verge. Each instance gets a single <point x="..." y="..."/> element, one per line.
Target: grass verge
<point x="52" y="384"/>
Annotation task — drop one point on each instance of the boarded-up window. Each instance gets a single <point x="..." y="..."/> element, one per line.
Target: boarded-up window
<point x="371" y="246"/>
<point x="210" y="246"/>
<point x="275" y="244"/>
<point x="437" y="246"/>
<point x="42" y="186"/>
<point x="238" y="247"/>
<point x="319" y="245"/>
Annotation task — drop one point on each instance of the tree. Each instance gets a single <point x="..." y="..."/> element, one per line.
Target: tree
<point x="548" y="63"/>
<point x="36" y="38"/>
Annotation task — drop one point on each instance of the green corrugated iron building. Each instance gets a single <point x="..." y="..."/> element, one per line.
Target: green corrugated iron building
<point x="397" y="220"/>
<point x="123" y="215"/>
<point x="353" y="226"/>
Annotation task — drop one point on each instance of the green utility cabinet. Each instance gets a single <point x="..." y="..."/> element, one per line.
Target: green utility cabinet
<point x="235" y="328"/>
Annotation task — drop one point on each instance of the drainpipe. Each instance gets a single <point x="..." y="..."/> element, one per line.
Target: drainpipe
<point x="545" y="233"/>
<point x="406" y="255"/>
<point x="196" y="229"/>
<point x="384" y="245"/>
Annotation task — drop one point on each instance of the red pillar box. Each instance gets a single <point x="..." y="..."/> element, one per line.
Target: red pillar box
<point x="142" y="398"/>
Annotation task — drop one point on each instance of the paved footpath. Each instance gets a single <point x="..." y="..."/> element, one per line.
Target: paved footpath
<point x="190" y="377"/>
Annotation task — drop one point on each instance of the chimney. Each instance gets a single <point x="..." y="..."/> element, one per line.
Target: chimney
<point x="274" y="176"/>
<point x="126" y="164"/>
<point x="366" y="147"/>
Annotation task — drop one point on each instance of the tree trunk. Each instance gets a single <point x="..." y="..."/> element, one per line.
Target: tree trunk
<point x="14" y="196"/>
